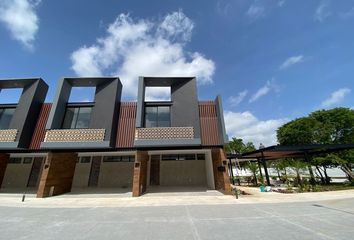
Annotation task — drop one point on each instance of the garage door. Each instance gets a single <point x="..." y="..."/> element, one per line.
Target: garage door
<point x="183" y="170"/>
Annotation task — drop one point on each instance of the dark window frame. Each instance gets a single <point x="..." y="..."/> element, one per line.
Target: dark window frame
<point x="78" y="106"/>
<point x="3" y="108"/>
<point x="157" y="105"/>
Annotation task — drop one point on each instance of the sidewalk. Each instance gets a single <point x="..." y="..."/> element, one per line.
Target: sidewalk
<point x="210" y="197"/>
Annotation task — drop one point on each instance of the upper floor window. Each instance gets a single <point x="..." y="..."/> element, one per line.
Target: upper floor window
<point x="5" y="117"/>
<point x="157" y="116"/>
<point x="77" y="117"/>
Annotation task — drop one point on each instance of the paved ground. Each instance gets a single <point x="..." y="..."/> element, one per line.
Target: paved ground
<point x="332" y="219"/>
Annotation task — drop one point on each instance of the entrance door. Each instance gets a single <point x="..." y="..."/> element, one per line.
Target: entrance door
<point x="95" y="171"/>
<point x="155" y="170"/>
<point x="35" y="172"/>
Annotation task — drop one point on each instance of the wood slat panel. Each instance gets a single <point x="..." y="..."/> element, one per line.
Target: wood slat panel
<point x="126" y="125"/>
<point x="208" y="124"/>
<point x="39" y="131"/>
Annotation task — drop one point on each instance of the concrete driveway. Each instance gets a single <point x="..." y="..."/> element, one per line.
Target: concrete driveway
<point x="331" y="219"/>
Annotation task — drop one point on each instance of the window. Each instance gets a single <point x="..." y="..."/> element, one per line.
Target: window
<point x="27" y="160"/>
<point x="5" y="117"/>
<point x="118" y="159"/>
<point x="77" y="117"/>
<point x="85" y="160"/>
<point x="157" y="116"/>
<point x="178" y="157"/>
<point x="15" y="160"/>
<point x="200" y="156"/>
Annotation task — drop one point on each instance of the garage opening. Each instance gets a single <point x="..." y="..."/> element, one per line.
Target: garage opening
<point x="103" y="174"/>
<point x="22" y="174"/>
<point x="171" y="171"/>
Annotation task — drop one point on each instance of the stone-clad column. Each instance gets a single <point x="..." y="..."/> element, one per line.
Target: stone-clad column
<point x="57" y="175"/>
<point x="221" y="176"/>
<point x="4" y="158"/>
<point x="140" y="173"/>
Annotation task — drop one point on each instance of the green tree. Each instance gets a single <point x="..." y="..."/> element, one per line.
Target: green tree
<point x="237" y="145"/>
<point x="334" y="126"/>
<point x="253" y="167"/>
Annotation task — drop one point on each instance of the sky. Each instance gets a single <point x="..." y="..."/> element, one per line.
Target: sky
<point x="271" y="60"/>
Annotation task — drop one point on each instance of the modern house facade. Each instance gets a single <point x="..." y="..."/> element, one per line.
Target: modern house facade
<point x="56" y="147"/>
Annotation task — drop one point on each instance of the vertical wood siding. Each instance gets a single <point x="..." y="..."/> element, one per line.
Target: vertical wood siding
<point x="126" y="125"/>
<point x="208" y="124"/>
<point x="39" y="131"/>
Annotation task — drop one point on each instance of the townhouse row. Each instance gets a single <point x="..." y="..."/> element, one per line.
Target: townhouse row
<point x="52" y="148"/>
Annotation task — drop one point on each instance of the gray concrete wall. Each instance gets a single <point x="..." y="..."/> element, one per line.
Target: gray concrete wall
<point x="57" y="111"/>
<point x="81" y="175"/>
<point x="27" y="110"/>
<point x="116" y="174"/>
<point x="106" y="109"/>
<point x="16" y="175"/>
<point x="221" y="122"/>
<point x="185" y="109"/>
<point x="183" y="173"/>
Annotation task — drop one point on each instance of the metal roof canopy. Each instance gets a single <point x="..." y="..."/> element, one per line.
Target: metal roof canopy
<point x="290" y="151"/>
<point x="294" y="151"/>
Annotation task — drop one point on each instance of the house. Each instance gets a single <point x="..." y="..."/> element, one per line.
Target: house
<point x="110" y="143"/>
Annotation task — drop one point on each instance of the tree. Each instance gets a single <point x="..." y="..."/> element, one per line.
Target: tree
<point x="253" y="167"/>
<point x="334" y="126"/>
<point x="237" y="145"/>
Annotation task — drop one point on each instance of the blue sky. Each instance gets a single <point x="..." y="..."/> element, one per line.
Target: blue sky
<point x="271" y="60"/>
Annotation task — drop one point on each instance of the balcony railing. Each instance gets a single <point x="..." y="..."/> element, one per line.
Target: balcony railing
<point x="8" y="135"/>
<point x="163" y="133"/>
<point x="74" y="135"/>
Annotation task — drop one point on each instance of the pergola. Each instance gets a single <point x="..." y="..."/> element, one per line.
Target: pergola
<point x="294" y="151"/>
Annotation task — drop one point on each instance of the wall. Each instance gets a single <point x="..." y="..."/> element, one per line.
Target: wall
<point x="183" y="173"/>
<point x="81" y="175"/>
<point x="3" y="165"/>
<point x="116" y="174"/>
<point x="57" y="175"/>
<point x="16" y="175"/>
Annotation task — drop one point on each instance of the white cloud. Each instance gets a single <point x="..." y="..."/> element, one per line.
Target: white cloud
<point x="255" y="11"/>
<point x="133" y="48"/>
<point x="291" y="61"/>
<point x="246" y="126"/>
<point x="21" y="19"/>
<point x="348" y="14"/>
<point x="322" y="11"/>
<point x="261" y="92"/>
<point x="336" y="97"/>
<point x="281" y="3"/>
<point x="236" y="100"/>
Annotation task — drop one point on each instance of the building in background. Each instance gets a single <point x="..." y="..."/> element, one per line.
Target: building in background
<point x="109" y="143"/>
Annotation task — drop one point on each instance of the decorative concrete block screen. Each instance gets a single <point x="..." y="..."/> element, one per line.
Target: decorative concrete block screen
<point x="74" y="135"/>
<point x="8" y="135"/>
<point x="164" y="133"/>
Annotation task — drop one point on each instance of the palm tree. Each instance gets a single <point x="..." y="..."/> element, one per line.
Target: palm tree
<point x="253" y="167"/>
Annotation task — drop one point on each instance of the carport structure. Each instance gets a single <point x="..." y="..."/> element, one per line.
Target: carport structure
<point x="291" y="151"/>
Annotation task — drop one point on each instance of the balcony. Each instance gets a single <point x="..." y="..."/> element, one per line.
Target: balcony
<point x="8" y="135"/>
<point x="164" y="133"/>
<point x="75" y="135"/>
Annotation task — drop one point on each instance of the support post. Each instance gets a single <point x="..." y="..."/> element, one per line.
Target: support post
<point x="140" y="173"/>
<point x="265" y="169"/>
<point x="57" y="174"/>
<point x="231" y="172"/>
<point x="221" y="177"/>
<point x="260" y="168"/>
<point x="4" y="158"/>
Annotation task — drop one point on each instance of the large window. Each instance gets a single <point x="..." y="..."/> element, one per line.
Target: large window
<point x="157" y="116"/>
<point x="5" y="117"/>
<point x="77" y="117"/>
